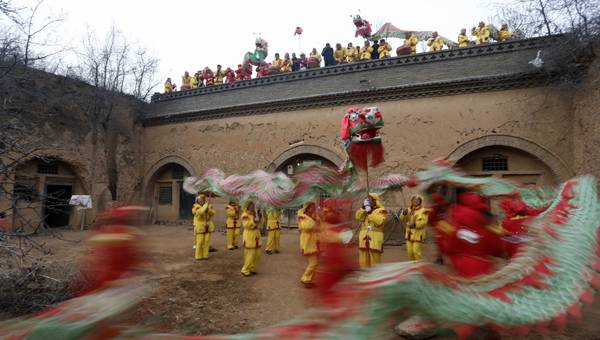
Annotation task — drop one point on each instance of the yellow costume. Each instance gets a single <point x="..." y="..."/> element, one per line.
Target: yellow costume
<point x="252" y="241"/>
<point x="504" y="35"/>
<point x="365" y="53"/>
<point x="384" y="50"/>
<point x="482" y="34"/>
<point x="219" y="76"/>
<point x="203" y="227"/>
<point x="370" y="237"/>
<point x="413" y="41"/>
<point x="194" y="83"/>
<point x="277" y="63"/>
<point x="309" y="238"/>
<point x="435" y="44"/>
<point x="415" y="220"/>
<point x="168" y="86"/>
<point x="273" y="230"/>
<point x="186" y="82"/>
<point x="339" y="56"/>
<point x="463" y="40"/>
<point x="232" y="225"/>
<point x="350" y="54"/>
<point x="286" y="66"/>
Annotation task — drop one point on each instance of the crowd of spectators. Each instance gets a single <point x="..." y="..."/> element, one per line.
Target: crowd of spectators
<point x="329" y="56"/>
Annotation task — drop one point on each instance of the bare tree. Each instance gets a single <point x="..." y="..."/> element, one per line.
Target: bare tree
<point x="115" y="64"/>
<point x="581" y="18"/>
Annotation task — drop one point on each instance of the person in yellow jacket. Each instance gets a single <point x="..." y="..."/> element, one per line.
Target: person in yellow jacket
<point x="219" y="75"/>
<point x="203" y="213"/>
<point x="338" y="54"/>
<point x="232" y="224"/>
<point x="482" y="32"/>
<point x="372" y="216"/>
<point x="277" y="62"/>
<point x="412" y="41"/>
<point x="350" y="54"/>
<point x="435" y="43"/>
<point x="169" y="87"/>
<point x="251" y="239"/>
<point x="415" y="221"/>
<point x="186" y="81"/>
<point x="273" y="230"/>
<point x="463" y="40"/>
<point x="365" y="51"/>
<point x="286" y="66"/>
<point x="504" y="34"/>
<point x="385" y="49"/>
<point x="309" y="238"/>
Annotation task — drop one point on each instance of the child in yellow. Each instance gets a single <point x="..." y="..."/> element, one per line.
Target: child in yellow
<point x="232" y="225"/>
<point x="203" y="226"/>
<point x="308" y="240"/>
<point x="372" y="216"/>
<point x="273" y="230"/>
<point x="251" y="239"/>
<point x="415" y="220"/>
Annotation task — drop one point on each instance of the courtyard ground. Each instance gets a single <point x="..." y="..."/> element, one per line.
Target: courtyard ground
<point x="206" y="297"/>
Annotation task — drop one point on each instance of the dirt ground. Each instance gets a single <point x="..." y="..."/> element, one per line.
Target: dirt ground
<point x="206" y="297"/>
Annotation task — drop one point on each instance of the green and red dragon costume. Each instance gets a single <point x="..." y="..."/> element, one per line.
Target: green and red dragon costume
<point x="546" y="283"/>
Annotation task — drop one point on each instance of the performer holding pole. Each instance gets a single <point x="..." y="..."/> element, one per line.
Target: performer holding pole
<point x="232" y="225"/>
<point x="203" y="226"/>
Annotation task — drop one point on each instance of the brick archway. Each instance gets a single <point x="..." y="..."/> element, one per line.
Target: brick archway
<point x="305" y="149"/>
<point x="558" y="167"/>
<point x="164" y="161"/>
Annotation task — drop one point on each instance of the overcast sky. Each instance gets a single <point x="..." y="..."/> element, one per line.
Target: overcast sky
<point x="188" y="35"/>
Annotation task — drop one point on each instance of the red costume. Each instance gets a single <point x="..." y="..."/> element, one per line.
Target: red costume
<point x="239" y="73"/>
<point x="208" y="76"/>
<point x="229" y="76"/>
<point x="516" y="216"/>
<point x="464" y="235"/>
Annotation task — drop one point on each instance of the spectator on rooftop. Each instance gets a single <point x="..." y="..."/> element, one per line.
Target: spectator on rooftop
<point x="375" y="53"/>
<point x="295" y="63"/>
<point x="327" y="54"/>
<point x="385" y="49"/>
<point x="365" y="51"/>
<point x="315" y="58"/>
<point x="303" y="62"/>
<point x="186" y="81"/>
<point x="286" y="66"/>
<point x="169" y="87"/>
<point x="350" y="53"/>
<point x="338" y="54"/>
<point x="277" y="62"/>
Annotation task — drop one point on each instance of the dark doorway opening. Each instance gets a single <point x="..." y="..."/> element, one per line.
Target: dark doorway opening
<point x="186" y="201"/>
<point x="56" y="205"/>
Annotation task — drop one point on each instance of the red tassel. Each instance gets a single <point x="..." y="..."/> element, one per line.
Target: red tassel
<point x="587" y="297"/>
<point x="463" y="331"/>
<point x="560" y="322"/>
<point x="551" y="232"/>
<point x="542" y="327"/>
<point x="500" y="296"/>
<point x="521" y="330"/>
<point x="363" y="155"/>
<point x="575" y="311"/>
<point x="595" y="282"/>
<point x="533" y="280"/>
<point x="542" y="269"/>
<point x="597" y="265"/>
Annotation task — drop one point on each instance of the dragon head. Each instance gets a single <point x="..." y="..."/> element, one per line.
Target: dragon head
<point x="362" y="126"/>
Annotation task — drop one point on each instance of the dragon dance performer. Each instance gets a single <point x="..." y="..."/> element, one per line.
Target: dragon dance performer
<point x="338" y="54"/>
<point x="169" y="87"/>
<point x="232" y="224"/>
<point x="203" y="213"/>
<point x="309" y="240"/>
<point x="385" y="49"/>
<point x="372" y="216"/>
<point x="415" y="222"/>
<point x="464" y="233"/>
<point x="366" y="51"/>
<point x="273" y="230"/>
<point x="251" y="239"/>
<point x="350" y="54"/>
<point x="504" y="34"/>
<point x="186" y="81"/>
<point x="219" y="75"/>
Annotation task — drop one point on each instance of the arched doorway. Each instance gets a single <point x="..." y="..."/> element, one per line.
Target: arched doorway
<point x="290" y="168"/>
<point x="165" y="190"/>
<point x="508" y="163"/>
<point x="41" y="193"/>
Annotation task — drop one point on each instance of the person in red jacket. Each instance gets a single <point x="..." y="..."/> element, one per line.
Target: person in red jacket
<point x="464" y="233"/>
